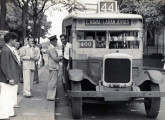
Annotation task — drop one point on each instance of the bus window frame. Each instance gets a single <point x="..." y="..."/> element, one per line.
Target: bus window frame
<point x="131" y="44"/>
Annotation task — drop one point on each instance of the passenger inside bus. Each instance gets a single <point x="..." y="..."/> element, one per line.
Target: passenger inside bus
<point x="100" y="42"/>
<point x="123" y="40"/>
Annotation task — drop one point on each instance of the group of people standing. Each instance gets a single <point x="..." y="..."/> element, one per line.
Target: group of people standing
<point x="15" y="60"/>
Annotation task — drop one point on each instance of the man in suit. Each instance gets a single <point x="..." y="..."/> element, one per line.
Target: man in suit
<point x="28" y="56"/>
<point x="53" y="63"/>
<point x="9" y="76"/>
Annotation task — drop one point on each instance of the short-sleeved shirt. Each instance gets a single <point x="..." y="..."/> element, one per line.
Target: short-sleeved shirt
<point x="66" y="50"/>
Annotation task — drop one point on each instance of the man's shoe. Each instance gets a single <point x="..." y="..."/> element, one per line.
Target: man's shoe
<point x="50" y="99"/>
<point x="16" y="106"/>
<point x="13" y="115"/>
<point x="5" y="119"/>
<point x="56" y="99"/>
<point x="34" y="82"/>
<point x="28" y="96"/>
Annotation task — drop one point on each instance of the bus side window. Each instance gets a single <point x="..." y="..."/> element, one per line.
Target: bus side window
<point x="100" y="42"/>
<point x="89" y="38"/>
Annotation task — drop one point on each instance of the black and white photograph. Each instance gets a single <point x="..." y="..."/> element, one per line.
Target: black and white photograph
<point x="82" y="59"/>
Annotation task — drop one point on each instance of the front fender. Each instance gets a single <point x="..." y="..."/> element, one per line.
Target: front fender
<point x="76" y="75"/>
<point x="152" y="75"/>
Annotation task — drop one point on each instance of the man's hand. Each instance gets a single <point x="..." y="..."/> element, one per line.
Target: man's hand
<point x="60" y="57"/>
<point x="35" y="59"/>
<point x="32" y="59"/>
<point x="11" y="82"/>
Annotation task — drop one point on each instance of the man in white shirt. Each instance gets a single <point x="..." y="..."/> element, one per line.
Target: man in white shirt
<point x="66" y="46"/>
<point x="27" y="54"/>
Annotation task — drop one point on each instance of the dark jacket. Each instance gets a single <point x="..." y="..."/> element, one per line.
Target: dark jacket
<point x="9" y="65"/>
<point x="2" y="76"/>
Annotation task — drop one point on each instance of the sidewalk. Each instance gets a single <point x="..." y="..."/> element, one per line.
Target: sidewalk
<point x="37" y="107"/>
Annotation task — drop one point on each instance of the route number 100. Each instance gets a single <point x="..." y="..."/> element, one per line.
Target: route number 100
<point x="108" y="6"/>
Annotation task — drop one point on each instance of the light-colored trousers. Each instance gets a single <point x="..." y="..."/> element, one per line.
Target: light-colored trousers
<point x="52" y="84"/>
<point x="8" y="98"/>
<point x="28" y="76"/>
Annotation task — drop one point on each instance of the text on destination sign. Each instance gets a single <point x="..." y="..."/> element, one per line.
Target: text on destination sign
<point x="107" y="22"/>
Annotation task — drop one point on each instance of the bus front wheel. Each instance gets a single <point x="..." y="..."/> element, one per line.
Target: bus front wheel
<point x="152" y="105"/>
<point x="76" y="102"/>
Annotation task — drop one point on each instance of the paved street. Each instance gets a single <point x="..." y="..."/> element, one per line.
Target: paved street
<point x="37" y="107"/>
<point x="121" y="111"/>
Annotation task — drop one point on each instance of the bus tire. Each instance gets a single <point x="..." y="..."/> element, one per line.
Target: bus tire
<point x="76" y="102"/>
<point x="152" y="106"/>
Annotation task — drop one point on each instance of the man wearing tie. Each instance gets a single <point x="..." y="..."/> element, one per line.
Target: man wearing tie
<point x="27" y="54"/>
<point x="9" y="76"/>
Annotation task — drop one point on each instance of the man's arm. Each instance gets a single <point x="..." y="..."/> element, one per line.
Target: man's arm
<point x="54" y="55"/>
<point x="23" y="54"/>
<point x="37" y="56"/>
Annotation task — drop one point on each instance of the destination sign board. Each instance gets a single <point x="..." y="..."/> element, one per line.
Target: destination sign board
<point x="105" y="22"/>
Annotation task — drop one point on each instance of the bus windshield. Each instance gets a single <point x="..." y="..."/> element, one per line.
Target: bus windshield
<point x="110" y="39"/>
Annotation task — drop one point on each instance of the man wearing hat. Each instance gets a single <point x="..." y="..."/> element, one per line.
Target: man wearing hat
<point x="53" y="63"/>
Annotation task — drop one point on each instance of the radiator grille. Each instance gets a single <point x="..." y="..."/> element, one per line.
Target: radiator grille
<point x="117" y="70"/>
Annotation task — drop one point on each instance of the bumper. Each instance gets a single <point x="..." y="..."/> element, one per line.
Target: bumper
<point x="116" y="94"/>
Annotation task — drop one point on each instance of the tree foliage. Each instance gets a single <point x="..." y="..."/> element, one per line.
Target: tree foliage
<point x="15" y="13"/>
<point x="35" y="10"/>
<point x="151" y="11"/>
<point x="13" y="16"/>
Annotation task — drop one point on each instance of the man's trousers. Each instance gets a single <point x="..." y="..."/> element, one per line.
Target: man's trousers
<point x="52" y="84"/>
<point x="8" y="98"/>
<point x="28" y="76"/>
<point x="36" y="78"/>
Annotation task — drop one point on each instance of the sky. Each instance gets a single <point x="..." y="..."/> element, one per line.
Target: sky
<point x="56" y="17"/>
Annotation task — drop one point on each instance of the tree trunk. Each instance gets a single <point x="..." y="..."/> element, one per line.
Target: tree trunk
<point x="35" y="16"/>
<point x="35" y="28"/>
<point x="3" y="14"/>
<point x="24" y="19"/>
<point x="39" y="31"/>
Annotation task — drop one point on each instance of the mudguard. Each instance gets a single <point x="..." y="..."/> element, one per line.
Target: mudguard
<point x="152" y="75"/>
<point x="76" y="75"/>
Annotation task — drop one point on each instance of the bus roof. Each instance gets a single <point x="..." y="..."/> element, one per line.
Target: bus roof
<point x="104" y="16"/>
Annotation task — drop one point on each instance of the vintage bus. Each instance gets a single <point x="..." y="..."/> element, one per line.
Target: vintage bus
<point x="105" y="63"/>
